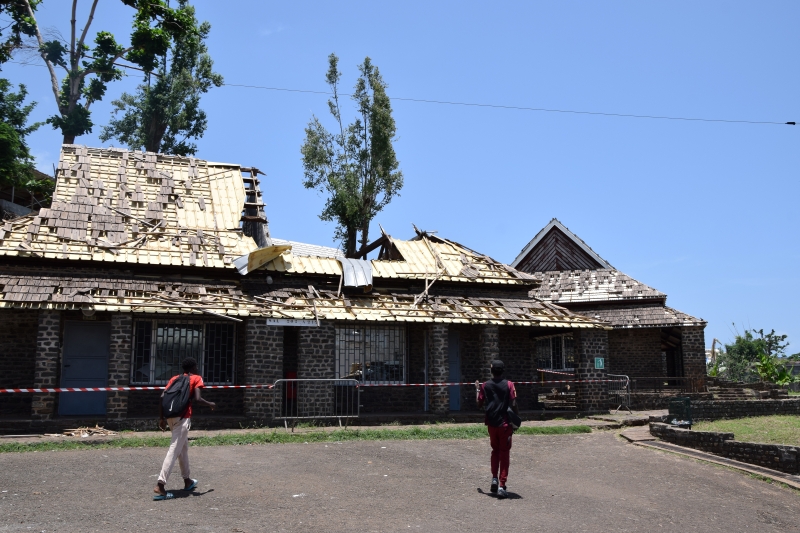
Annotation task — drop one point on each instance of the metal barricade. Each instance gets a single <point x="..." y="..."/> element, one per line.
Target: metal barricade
<point x="619" y="391"/>
<point x="315" y="399"/>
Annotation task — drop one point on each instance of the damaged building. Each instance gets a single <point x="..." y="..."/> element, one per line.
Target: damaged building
<point x="144" y="259"/>
<point x="649" y="342"/>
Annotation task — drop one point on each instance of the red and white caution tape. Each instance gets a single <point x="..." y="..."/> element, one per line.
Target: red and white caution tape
<point x="110" y="389"/>
<point x="270" y="386"/>
<point x="554" y="372"/>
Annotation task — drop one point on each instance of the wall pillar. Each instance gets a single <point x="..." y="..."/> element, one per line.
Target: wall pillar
<point x="693" y="347"/>
<point x="119" y="365"/>
<point x="438" y="397"/>
<point x="490" y="348"/>
<point x="588" y="345"/>
<point x="48" y="352"/>
<point x="263" y="364"/>
<point x="316" y="359"/>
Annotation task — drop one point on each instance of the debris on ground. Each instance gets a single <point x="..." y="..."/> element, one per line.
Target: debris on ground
<point x="96" y="431"/>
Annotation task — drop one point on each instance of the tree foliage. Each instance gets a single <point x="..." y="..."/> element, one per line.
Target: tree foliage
<point x="164" y="116"/>
<point x="89" y="70"/>
<point x="16" y="162"/>
<point x="755" y="355"/>
<point x="355" y="166"/>
<point x="18" y="26"/>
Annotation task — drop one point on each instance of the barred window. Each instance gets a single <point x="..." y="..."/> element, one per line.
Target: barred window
<point x="555" y="353"/>
<point x="371" y="353"/>
<point x="159" y="347"/>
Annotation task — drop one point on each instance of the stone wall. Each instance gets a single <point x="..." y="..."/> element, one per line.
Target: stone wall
<point x="18" y="330"/>
<point x="263" y="364"/>
<point x="693" y="344"/>
<point x="589" y="344"/>
<point x="438" y="397"/>
<point x="719" y="409"/>
<point x="316" y="359"/>
<point x="119" y="364"/>
<point x="775" y="456"/>
<point x="517" y="353"/>
<point x="635" y="352"/>
<point x="48" y="352"/>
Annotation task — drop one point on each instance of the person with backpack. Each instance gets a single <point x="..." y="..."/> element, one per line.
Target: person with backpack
<point x="502" y="415"/>
<point x="175" y="410"/>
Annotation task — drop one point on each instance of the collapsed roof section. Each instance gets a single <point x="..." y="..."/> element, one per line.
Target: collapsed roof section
<point x="139" y="207"/>
<point x="121" y="292"/>
<point x="426" y="257"/>
<point x="642" y="316"/>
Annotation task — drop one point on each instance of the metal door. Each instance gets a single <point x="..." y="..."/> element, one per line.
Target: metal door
<point x="84" y="364"/>
<point x="454" y="372"/>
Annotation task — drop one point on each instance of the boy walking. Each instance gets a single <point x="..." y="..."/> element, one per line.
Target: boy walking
<point x="179" y="447"/>
<point x="498" y="395"/>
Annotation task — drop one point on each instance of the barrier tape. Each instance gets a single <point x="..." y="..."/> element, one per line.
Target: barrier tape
<point x="110" y="389"/>
<point x="444" y="384"/>
<point x="554" y="372"/>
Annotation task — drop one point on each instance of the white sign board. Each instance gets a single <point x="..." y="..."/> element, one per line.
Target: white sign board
<point x="292" y="322"/>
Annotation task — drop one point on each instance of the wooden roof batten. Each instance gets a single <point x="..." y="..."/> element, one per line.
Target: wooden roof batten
<point x="590" y="257"/>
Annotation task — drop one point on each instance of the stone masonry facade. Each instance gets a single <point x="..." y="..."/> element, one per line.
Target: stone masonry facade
<point x="263" y="364"/>
<point x="438" y="368"/>
<point x="119" y="364"/>
<point x="588" y="345"/>
<point x="316" y="358"/>
<point x="635" y="352"/>
<point x="48" y="352"/>
<point x="693" y="344"/>
<point x="18" y="331"/>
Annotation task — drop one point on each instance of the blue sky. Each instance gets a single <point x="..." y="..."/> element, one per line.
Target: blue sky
<point x="703" y="211"/>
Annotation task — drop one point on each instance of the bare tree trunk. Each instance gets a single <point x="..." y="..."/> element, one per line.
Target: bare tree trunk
<point x="68" y="139"/>
<point x="350" y="243"/>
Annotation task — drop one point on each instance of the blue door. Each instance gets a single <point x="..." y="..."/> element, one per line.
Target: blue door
<point x="454" y="372"/>
<point x="84" y="364"/>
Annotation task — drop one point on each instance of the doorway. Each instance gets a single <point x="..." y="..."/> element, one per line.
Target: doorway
<point x="84" y="364"/>
<point x="454" y="369"/>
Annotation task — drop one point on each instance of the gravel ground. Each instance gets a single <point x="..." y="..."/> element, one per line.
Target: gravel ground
<point x="591" y="482"/>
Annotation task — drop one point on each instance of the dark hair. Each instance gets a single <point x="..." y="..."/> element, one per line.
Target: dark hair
<point x="497" y="368"/>
<point x="188" y="364"/>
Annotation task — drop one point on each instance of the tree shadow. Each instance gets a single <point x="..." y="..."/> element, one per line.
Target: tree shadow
<point x="511" y="495"/>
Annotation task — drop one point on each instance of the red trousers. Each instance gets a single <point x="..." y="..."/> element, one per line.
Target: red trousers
<point x="500" y="439"/>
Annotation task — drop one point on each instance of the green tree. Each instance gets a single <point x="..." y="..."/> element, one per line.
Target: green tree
<point x="164" y="116"/>
<point x="356" y="167"/>
<point x="88" y="71"/>
<point x="739" y="357"/>
<point x="774" y="345"/>
<point x="17" y="27"/>
<point x="16" y="162"/>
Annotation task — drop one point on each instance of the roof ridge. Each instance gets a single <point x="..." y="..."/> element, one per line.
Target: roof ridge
<point x="555" y="223"/>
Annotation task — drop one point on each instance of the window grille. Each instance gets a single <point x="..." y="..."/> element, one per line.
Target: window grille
<point x="371" y="353"/>
<point x="159" y="347"/>
<point x="555" y="353"/>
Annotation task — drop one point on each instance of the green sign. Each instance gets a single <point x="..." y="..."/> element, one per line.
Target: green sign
<point x="599" y="363"/>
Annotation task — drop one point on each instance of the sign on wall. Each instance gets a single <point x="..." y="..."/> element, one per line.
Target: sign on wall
<point x="599" y="363"/>
<point x="292" y="322"/>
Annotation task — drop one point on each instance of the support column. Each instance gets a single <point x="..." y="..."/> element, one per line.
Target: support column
<point x="590" y="344"/>
<point x="48" y="351"/>
<point x="316" y="359"/>
<point x="490" y="348"/>
<point x="119" y="365"/>
<point x="263" y="363"/>
<point x="439" y="397"/>
<point x="693" y="346"/>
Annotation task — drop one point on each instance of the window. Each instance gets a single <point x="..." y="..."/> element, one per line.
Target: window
<point x="555" y="353"/>
<point x="370" y="353"/>
<point x="159" y="347"/>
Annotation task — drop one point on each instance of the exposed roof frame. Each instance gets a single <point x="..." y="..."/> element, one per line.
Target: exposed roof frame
<point x="555" y="223"/>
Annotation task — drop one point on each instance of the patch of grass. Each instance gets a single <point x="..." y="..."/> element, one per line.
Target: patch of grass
<point x="470" y="431"/>
<point x="794" y="393"/>
<point x="778" y="429"/>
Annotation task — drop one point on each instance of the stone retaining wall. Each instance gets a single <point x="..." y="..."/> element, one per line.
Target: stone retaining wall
<point x="774" y="456"/>
<point x="719" y="409"/>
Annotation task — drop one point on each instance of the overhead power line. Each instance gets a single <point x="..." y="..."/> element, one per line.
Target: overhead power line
<point x="521" y="108"/>
<point x="500" y="106"/>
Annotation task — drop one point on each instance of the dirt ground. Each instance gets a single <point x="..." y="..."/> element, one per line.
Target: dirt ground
<point x="592" y="482"/>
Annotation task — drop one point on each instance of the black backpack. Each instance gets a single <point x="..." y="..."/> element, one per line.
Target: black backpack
<point x="176" y="398"/>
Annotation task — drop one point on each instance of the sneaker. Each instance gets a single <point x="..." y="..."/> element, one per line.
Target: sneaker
<point x="501" y="493"/>
<point x="494" y="485"/>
